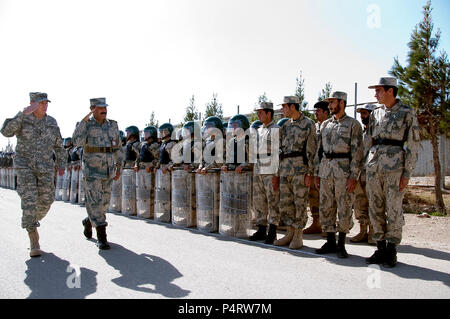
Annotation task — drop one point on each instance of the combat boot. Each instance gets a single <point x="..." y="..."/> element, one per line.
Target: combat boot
<point x="271" y="235"/>
<point x="35" y="249"/>
<point x="370" y="240"/>
<point x="329" y="246"/>
<point x="315" y="227"/>
<point x="87" y="228"/>
<point x="287" y="238"/>
<point x="297" y="239"/>
<point x="102" y="243"/>
<point x="341" y="252"/>
<point x="260" y="234"/>
<point x="361" y="236"/>
<point x="379" y="254"/>
<point x="390" y="259"/>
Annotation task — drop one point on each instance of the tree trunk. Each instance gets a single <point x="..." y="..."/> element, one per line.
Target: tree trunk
<point x="437" y="170"/>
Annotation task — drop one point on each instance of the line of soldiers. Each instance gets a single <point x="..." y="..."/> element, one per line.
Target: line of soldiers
<point x="269" y="175"/>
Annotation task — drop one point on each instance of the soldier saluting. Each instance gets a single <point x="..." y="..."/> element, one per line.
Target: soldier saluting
<point x="38" y="136"/>
<point x="102" y="161"/>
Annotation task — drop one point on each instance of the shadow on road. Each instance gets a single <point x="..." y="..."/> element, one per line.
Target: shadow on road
<point x="52" y="277"/>
<point x="139" y="270"/>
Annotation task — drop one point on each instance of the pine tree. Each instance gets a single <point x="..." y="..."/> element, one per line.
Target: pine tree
<point x="191" y="111"/>
<point x="423" y="84"/>
<point x="326" y="92"/>
<point x="214" y="108"/>
<point x="300" y="93"/>
<point x="152" y="121"/>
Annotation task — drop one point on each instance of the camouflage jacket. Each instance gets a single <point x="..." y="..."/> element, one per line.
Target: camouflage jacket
<point x="267" y="148"/>
<point x="37" y="140"/>
<point x="295" y="136"/>
<point x="398" y="123"/>
<point x="238" y="153"/>
<point x="213" y="153"/>
<point x="131" y="149"/>
<point x="153" y="149"/>
<point x="92" y="134"/>
<point x="343" y="136"/>
<point x="165" y="154"/>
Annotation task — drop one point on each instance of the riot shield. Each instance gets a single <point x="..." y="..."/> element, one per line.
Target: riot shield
<point x="144" y="194"/>
<point x="59" y="186"/>
<point x="208" y="201"/>
<point x="129" y="191"/>
<point x="162" y="196"/>
<point x="115" y="203"/>
<point x="183" y="198"/>
<point x="66" y="185"/>
<point x="74" y="186"/>
<point x="235" y="204"/>
<point x="81" y="191"/>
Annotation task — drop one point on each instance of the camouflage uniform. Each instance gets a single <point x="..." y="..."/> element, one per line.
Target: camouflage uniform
<point x="265" y="198"/>
<point x="102" y="157"/>
<point x="313" y="195"/>
<point x="338" y="138"/>
<point x="37" y="139"/>
<point x="361" y="204"/>
<point x="296" y="136"/>
<point x="386" y="164"/>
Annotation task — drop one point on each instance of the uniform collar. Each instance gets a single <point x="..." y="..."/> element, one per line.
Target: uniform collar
<point x="338" y="120"/>
<point x="268" y="125"/>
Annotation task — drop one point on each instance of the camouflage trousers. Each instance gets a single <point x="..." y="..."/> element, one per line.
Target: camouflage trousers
<point x="293" y="201"/>
<point x="98" y="195"/>
<point x="361" y="204"/>
<point x="335" y="205"/>
<point x="265" y="200"/>
<point x="385" y="209"/>
<point x="313" y="198"/>
<point x="37" y="193"/>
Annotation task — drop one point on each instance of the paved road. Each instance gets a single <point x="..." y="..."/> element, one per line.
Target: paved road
<point x="155" y="260"/>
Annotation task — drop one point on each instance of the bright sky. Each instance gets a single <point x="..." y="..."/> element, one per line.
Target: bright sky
<point x="154" y="55"/>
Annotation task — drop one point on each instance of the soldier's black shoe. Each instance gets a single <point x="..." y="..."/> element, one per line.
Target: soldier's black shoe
<point x="340" y="250"/>
<point x="271" y="235"/>
<point x="102" y="243"/>
<point x="390" y="256"/>
<point x="379" y="254"/>
<point x="87" y="228"/>
<point x="260" y="233"/>
<point x="329" y="246"/>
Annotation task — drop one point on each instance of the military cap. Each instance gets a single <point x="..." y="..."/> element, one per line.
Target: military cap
<point x="338" y="95"/>
<point x="38" y="97"/>
<point x="264" y="106"/>
<point x="322" y="105"/>
<point x="385" y="81"/>
<point x="100" y="101"/>
<point x="368" y="107"/>
<point x="290" y="100"/>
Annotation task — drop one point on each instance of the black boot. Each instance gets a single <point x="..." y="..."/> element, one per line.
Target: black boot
<point x="272" y="235"/>
<point x="341" y="252"/>
<point x="379" y="254"/>
<point x="101" y="238"/>
<point x="390" y="256"/>
<point x="87" y="228"/>
<point x="329" y="246"/>
<point x="260" y="233"/>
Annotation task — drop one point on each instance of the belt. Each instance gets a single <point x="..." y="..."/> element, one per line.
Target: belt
<point x="385" y="141"/>
<point x="94" y="149"/>
<point x="338" y="155"/>
<point x="295" y="154"/>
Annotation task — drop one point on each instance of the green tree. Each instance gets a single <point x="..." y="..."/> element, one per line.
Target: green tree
<point x="152" y="121"/>
<point x="421" y="86"/>
<point x="213" y="108"/>
<point x="326" y="92"/>
<point x="300" y="93"/>
<point x="191" y="111"/>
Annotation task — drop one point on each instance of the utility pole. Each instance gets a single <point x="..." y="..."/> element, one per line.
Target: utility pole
<point x="356" y="99"/>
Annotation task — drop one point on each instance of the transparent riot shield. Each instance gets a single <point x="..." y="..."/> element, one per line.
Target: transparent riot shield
<point x="66" y="185"/>
<point x="81" y="191"/>
<point x="208" y="201"/>
<point x="9" y="178"/>
<point x="129" y="191"/>
<point x="59" y="186"/>
<point x="235" y="204"/>
<point x="162" y="196"/>
<point x="74" y="185"/>
<point x="14" y="181"/>
<point x="2" y="177"/>
<point x="183" y="198"/>
<point x="144" y="194"/>
<point x="115" y="203"/>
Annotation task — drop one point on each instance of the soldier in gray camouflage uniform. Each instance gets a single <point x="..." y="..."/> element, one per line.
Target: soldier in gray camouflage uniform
<point x="38" y="137"/>
<point x="266" y="191"/>
<point x="393" y="135"/>
<point x="102" y="161"/>
<point x="361" y="204"/>
<point x="336" y="173"/>
<point x="298" y="147"/>
<point x="321" y="114"/>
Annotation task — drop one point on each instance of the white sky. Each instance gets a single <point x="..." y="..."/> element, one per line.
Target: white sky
<point x="148" y="56"/>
